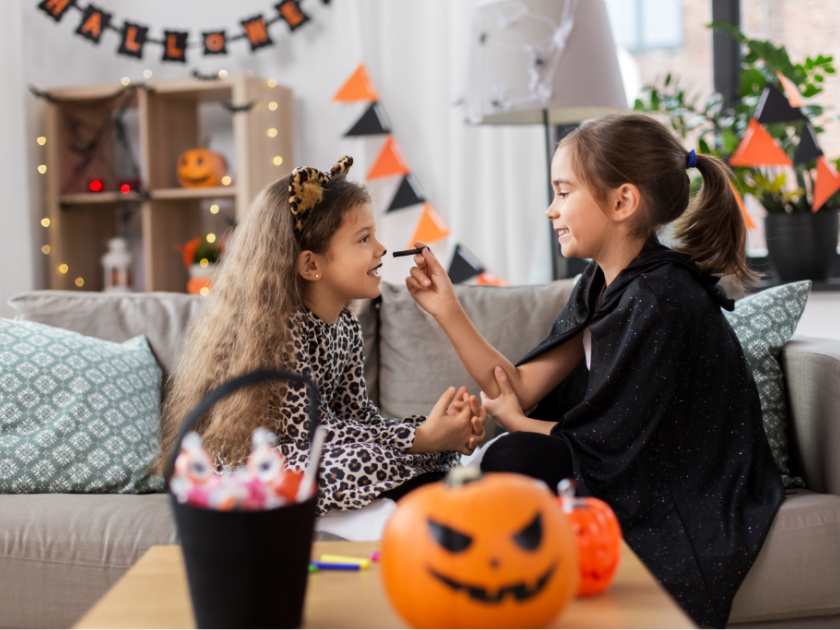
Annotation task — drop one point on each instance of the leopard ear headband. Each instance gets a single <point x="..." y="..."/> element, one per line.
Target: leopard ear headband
<point x="306" y="187"/>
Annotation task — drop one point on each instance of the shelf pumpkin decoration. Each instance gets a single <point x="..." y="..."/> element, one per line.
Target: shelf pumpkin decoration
<point x="200" y="258"/>
<point x="201" y="168"/>
<point x="598" y="536"/>
<point x="479" y="551"/>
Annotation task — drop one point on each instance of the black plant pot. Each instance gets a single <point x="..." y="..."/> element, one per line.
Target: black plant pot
<point x="801" y="245"/>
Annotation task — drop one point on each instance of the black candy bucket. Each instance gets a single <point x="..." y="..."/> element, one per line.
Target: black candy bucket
<point x="246" y="569"/>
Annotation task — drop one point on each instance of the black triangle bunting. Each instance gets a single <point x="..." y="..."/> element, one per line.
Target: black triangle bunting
<point x="774" y="107"/>
<point x="808" y="148"/>
<point x="464" y="266"/>
<point x="408" y="194"/>
<point x="373" y="122"/>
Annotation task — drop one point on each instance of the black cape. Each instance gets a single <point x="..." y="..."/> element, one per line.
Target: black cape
<point x="669" y="432"/>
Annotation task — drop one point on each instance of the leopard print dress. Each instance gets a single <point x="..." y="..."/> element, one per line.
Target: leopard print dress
<point x="364" y="454"/>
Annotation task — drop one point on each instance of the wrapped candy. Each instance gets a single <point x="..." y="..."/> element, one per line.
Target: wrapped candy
<point x="262" y="483"/>
<point x="195" y="476"/>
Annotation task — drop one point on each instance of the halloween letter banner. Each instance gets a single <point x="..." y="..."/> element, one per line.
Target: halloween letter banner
<point x="134" y="38"/>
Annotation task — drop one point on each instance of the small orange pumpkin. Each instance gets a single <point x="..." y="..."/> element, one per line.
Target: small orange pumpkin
<point x="199" y="285"/>
<point x="479" y="551"/>
<point x="598" y="534"/>
<point x="201" y="167"/>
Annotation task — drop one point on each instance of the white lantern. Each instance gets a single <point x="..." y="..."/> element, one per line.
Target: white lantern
<point x="116" y="263"/>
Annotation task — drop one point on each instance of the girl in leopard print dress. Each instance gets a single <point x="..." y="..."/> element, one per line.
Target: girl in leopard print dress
<point x="307" y="248"/>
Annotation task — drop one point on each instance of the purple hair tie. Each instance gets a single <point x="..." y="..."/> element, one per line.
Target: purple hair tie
<point x="692" y="159"/>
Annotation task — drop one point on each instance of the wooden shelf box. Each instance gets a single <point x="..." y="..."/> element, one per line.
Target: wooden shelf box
<point x="167" y="117"/>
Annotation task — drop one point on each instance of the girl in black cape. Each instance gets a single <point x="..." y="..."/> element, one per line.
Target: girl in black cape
<point x="668" y="429"/>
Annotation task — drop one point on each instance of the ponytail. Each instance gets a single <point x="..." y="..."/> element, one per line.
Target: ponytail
<point x="712" y="231"/>
<point x="637" y="149"/>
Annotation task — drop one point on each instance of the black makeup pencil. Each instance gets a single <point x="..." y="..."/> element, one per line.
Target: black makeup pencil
<point x="409" y="252"/>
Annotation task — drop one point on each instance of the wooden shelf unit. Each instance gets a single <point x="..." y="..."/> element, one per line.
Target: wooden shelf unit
<point x="168" y="122"/>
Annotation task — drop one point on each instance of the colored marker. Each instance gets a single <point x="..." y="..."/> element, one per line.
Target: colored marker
<point x="334" y="566"/>
<point x="409" y="252"/>
<point x="364" y="563"/>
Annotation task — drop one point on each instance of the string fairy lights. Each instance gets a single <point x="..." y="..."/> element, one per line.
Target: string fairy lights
<point x="61" y="267"/>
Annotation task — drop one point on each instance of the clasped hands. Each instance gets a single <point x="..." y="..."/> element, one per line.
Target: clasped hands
<point x="456" y="423"/>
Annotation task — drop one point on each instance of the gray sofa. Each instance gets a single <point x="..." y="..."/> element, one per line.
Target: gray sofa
<point x="60" y="552"/>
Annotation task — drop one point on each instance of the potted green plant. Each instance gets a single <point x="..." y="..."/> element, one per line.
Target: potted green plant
<point x="801" y="243"/>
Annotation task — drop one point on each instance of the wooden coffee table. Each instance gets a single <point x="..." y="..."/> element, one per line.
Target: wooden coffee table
<point x="154" y="594"/>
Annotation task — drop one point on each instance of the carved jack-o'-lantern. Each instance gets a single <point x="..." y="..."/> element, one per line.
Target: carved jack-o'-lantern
<point x="201" y="167"/>
<point x="598" y="537"/>
<point x="492" y="551"/>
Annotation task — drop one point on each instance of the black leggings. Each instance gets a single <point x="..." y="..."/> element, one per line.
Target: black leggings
<point x="415" y="482"/>
<point x="545" y="457"/>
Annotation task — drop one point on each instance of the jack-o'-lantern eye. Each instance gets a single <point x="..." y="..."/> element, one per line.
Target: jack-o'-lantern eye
<point x="530" y="536"/>
<point x="448" y="538"/>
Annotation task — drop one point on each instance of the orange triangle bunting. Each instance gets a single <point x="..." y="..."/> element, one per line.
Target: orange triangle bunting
<point x="430" y="227"/>
<point x="389" y="162"/>
<point x="757" y="148"/>
<point x="488" y="279"/>
<point x="747" y="218"/>
<point x="794" y="96"/>
<point x="828" y="183"/>
<point x="357" y="88"/>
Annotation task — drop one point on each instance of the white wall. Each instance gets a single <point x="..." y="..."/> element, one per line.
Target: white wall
<point x="488" y="183"/>
<point x="18" y="262"/>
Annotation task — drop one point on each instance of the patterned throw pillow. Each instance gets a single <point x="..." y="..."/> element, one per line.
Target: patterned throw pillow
<point x="764" y="322"/>
<point x="77" y="414"/>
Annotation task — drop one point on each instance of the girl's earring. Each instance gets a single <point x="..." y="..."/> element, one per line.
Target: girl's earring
<point x="317" y="276"/>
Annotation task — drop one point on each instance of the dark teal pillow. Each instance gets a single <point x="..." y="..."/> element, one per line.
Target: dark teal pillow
<point x="764" y="322"/>
<point x="77" y="414"/>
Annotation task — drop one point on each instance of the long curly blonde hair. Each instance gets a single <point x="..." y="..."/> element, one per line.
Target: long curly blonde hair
<point x="244" y="325"/>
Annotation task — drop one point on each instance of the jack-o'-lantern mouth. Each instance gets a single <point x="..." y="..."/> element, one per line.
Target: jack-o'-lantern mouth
<point x="520" y="591"/>
<point x="196" y="180"/>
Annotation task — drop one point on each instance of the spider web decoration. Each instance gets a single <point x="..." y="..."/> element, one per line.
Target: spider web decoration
<point x="96" y="129"/>
<point x="508" y="34"/>
<point x="95" y="132"/>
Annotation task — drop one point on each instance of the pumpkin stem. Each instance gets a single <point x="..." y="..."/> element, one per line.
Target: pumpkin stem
<point x="566" y="490"/>
<point x="462" y="475"/>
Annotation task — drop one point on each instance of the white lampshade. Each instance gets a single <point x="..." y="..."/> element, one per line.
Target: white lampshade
<point x="527" y="56"/>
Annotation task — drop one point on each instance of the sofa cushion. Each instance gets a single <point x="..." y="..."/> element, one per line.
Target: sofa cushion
<point x="764" y="322"/>
<point x="812" y="373"/>
<point x="77" y="414"/>
<point x="79" y="545"/>
<point x="161" y="316"/>
<point x="417" y="362"/>
<point x="796" y="572"/>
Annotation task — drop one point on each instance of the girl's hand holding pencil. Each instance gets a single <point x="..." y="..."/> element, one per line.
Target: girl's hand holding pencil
<point x="430" y="285"/>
